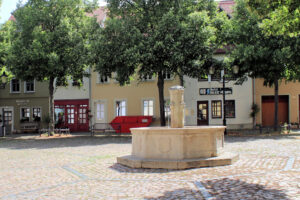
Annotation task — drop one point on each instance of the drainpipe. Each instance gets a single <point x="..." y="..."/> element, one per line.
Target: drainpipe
<point x="253" y="100"/>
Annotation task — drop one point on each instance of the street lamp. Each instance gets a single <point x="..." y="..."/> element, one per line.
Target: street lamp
<point x="3" y="80"/>
<point x="3" y="83"/>
<point x="235" y="70"/>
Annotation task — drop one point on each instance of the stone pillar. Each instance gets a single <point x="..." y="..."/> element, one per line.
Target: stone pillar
<point x="177" y="106"/>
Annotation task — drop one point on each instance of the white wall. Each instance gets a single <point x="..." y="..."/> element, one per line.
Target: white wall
<point x="242" y="94"/>
<point x="73" y="92"/>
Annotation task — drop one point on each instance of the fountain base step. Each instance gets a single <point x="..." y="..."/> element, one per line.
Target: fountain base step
<point x="135" y="162"/>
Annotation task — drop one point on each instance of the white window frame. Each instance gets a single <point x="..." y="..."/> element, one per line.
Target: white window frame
<point x="25" y="88"/>
<point x="98" y="79"/>
<point x="146" y="78"/>
<point x="168" y="79"/>
<point x="115" y="107"/>
<point x="33" y="112"/>
<point x="21" y="112"/>
<point x="11" y="91"/>
<point x="153" y="107"/>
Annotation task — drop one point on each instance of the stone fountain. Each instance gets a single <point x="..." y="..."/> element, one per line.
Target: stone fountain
<point x="178" y="147"/>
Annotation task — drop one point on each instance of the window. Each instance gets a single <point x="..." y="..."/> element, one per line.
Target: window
<point x="167" y="109"/>
<point x="216" y="107"/>
<point x="36" y="112"/>
<point x="103" y="78"/>
<point x="148" y="107"/>
<point x="29" y="86"/>
<point x="203" y="78"/>
<point x="83" y="118"/>
<point x="216" y="76"/>
<point x="121" y="108"/>
<point x="71" y="114"/>
<point x="15" y="85"/>
<point x="25" y="114"/>
<point x="100" y="111"/>
<point x="167" y="76"/>
<point x="230" y="108"/>
<point x="147" y="78"/>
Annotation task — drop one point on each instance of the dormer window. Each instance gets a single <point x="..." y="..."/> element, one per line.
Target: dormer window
<point x="147" y="78"/>
<point x="103" y="78"/>
<point x="167" y="75"/>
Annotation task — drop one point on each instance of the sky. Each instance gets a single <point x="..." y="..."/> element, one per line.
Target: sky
<point x="8" y="6"/>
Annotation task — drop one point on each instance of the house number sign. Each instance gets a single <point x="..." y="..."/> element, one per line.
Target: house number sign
<point x="214" y="91"/>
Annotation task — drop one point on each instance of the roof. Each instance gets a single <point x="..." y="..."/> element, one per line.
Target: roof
<point x="227" y="6"/>
<point x="99" y="13"/>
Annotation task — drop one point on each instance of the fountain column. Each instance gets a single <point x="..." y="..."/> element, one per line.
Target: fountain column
<point x="177" y="106"/>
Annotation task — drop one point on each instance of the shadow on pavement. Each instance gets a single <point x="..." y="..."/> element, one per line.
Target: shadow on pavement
<point x="247" y="138"/>
<point x="225" y="189"/>
<point x="37" y="142"/>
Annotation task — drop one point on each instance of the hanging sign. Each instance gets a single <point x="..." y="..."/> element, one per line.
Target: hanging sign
<point x="214" y="91"/>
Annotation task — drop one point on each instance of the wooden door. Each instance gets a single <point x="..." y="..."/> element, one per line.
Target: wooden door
<point x="71" y="116"/>
<point x="202" y="113"/>
<point x="83" y="124"/>
<point x="8" y="119"/>
<point x="268" y="110"/>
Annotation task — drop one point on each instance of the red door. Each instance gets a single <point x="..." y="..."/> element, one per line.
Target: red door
<point x="72" y="114"/>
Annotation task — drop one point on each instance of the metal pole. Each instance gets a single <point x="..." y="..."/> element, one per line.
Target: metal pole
<point x="224" y="107"/>
<point x="3" y="126"/>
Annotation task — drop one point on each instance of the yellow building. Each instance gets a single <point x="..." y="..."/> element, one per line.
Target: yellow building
<point x="109" y="99"/>
<point x="288" y="102"/>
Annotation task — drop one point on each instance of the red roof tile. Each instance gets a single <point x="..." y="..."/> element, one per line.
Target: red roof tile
<point x="100" y="14"/>
<point x="227" y="6"/>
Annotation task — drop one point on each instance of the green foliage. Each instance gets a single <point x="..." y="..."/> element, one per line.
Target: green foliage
<point x="278" y="17"/>
<point x="152" y="37"/>
<point x="258" y="55"/>
<point x="254" y="110"/>
<point x="49" y="40"/>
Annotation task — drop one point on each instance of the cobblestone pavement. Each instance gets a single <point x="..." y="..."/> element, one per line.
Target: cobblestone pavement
<point x="85" y="168"/>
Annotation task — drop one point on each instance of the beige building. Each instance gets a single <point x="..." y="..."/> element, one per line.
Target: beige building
<point x="288" y="108"/>
<point x="109" y="99"/>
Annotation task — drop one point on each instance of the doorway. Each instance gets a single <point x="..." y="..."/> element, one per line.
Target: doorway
<point x="202" y="113"/>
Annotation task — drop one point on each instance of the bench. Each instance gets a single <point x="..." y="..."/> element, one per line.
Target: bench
<point x="105" y="128"/>
<point x="29" y="127"/>
<point x="57" y="130"/>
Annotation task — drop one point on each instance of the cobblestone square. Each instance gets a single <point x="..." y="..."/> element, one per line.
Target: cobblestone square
<point x="84" y="167"/>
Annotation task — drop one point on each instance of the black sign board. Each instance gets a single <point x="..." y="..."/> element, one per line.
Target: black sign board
<point x="214" y="91"/>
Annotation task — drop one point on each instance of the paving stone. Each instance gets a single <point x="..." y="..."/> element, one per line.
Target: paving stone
<point x="86" y="168"/>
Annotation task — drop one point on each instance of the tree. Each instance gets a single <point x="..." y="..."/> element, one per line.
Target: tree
<point x="50" y="42"/>
<point x="271" y="57"/>
<point x="278" y="17"/>
<point x="154" y="37"/>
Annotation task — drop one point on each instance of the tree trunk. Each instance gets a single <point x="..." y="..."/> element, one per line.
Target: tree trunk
<point x="51" y="106"/>
<point x="160" y="85"/>
<point x="181" y="80"/>
<point x="276" y="99"/>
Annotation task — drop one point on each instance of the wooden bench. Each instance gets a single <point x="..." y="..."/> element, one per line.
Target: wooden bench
<point x="29" y="127"/>
<point x="105" y="128"/>
<point x="60" y="131"/>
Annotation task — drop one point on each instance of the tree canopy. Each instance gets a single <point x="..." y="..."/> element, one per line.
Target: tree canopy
<point x="154" y="37"/>
<point x="271" y="57"/>
<point x="278" y="17"/>
<point x="50" y="40"/>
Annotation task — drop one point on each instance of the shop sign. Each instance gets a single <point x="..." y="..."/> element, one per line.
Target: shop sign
<point x="214" y="91"/>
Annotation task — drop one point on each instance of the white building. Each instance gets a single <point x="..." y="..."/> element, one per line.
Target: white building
<point x="204" y="102"/>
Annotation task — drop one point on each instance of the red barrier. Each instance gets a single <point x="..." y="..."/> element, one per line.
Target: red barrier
<point x="128" y="122"/>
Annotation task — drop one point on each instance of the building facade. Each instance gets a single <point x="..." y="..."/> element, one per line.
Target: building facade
<point x="288" y="108"/>
<point x="109" y="99"/>
<point x="22" y="102"/>
<point x="72" y="106"/>
<point x="204" y="101"/>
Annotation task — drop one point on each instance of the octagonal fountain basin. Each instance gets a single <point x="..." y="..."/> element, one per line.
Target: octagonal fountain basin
<point x="177" y="148"/>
